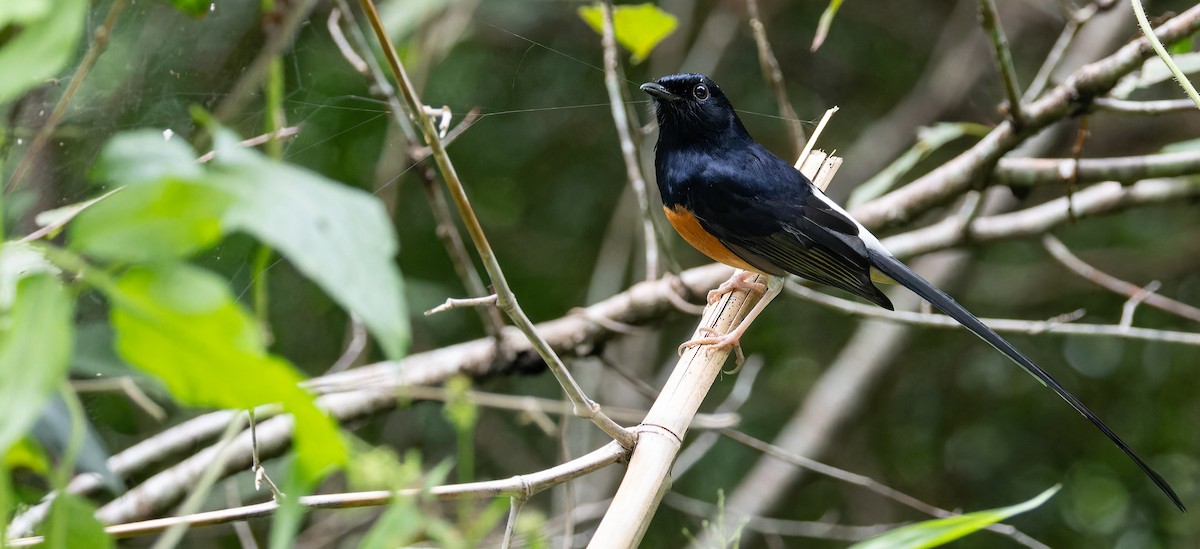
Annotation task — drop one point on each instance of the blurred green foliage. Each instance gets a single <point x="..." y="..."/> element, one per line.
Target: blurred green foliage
<point x="952" y="423"/>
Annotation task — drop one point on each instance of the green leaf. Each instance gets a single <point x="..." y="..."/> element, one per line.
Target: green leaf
<point x="23" y="12"/>
<point x="338" y="236"/>
<point x="638" y="27"/>
<point x="73" y="524"/>
<point x="182" y="325"/>
<point x="824" y="23"/>
<point x="42" y="46"/>
<point x="35" y="337"/>
<point x="194" y="8"/>
<point x="933" y="533"/>
<point x="164" y="211"/>
<point x="166" y="219"/>
<point x="145" y="156"/>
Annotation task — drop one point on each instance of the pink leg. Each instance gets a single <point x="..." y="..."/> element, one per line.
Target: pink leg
<point x="739" y="281"/>
<point x="773" y="287"/>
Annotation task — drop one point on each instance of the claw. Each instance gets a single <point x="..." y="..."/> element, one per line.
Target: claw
<point x="739" y="281"/>
<point x="718" y="340"/>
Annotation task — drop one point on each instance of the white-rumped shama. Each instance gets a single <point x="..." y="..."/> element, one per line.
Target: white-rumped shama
<point x="741" y="205"/>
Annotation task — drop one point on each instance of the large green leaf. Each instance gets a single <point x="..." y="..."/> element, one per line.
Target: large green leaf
<point x="35" y="337"/>
<point x="181" y="324"/>
<point x="933" y="533"/>
<point x="43" y="44"/>
<point x="338" y="236"/>
<point x="638" y="27"/>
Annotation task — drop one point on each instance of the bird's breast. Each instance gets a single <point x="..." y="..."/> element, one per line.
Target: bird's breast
<point x="689" y="228"/>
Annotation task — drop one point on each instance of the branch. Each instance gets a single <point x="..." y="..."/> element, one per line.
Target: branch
<point x="99" y="45"/>
<point x="661" y="433"/>
<point x="519" y="486"/>
<point x="1028" y="172"/>
<point x="1098" y="199"/>
<point x="1060" y="252"/>
<point x="1153" y="108"/>
<point x="959" y="174"/>
<point x="506" y="299"/>
<point x="633" y="170"/>
<point x="1028" y="327"/>
<point x="773" y="75"/>
<point x="990" y="19"/>
<point x="445" y="230"/>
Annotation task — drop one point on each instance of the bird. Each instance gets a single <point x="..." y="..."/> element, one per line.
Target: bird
<point x="741" y="205"/>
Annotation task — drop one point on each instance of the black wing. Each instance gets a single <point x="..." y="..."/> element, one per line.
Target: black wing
<point x="771" y="217"/>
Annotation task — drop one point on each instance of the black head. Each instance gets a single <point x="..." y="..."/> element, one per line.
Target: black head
<point x="690" y="107"/>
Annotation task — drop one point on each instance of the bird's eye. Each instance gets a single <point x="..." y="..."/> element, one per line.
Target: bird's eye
<point x="700" y="91"/>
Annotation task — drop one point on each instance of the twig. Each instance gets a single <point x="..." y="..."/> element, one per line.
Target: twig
<point x="633" y="169"/>
<point x="281" y="133"/>
<point x="866" y="482"/>
<point x="773" y="75"/>
<point x="1063" y="255"/>
<point x="195" y="499"/>
<point x="124" y="384"/>
<point x="1132" y="303"/>
<point x="780" y="527"/>
<point x="458" y="303"/>
<point x="98" y="46"/>
<point x="281" y="35"/>
<point x="584" y="406"/>
<point x="514" y="508"/>
<point x="719" y="420"/>
<point x="990" y="19"/>
<point x="1148" y="31"/>
<point x="354" y="348"/>
<point x="1001" y="325"/>
<point x="343" y="45"/>
<point x="1075" y="22"/>
<point x="812" y="141"/>
<point x="1150" y="108"/>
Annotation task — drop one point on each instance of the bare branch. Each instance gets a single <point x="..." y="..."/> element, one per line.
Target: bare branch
<point x="1029" y="327"/>
<point x="613" y="78"/>
<point x="773" y="75"/>
<point x="957" y="175"/>
<point x="990" y="19"/>
<point x="1028" y="172"/>
<point x="1096" y="200"/>
<point x="519" y="486"/>
<point x="1060" y="252"/>
<point x="1154" y="108"/>
<point x="507" y="300"/>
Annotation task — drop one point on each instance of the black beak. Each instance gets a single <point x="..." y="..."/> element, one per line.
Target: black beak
<point x="657" y="91"/>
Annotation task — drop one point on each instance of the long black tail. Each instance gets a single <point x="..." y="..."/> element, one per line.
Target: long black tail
<point x="911" y="280"/>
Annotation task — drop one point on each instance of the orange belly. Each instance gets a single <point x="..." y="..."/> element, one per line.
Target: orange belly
<point x="686" y="225"/>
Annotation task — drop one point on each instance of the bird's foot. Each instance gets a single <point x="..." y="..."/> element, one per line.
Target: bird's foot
<point x="720" y="341"/>
<point x="715" y="339"/>
<point x="739" y="281"/>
